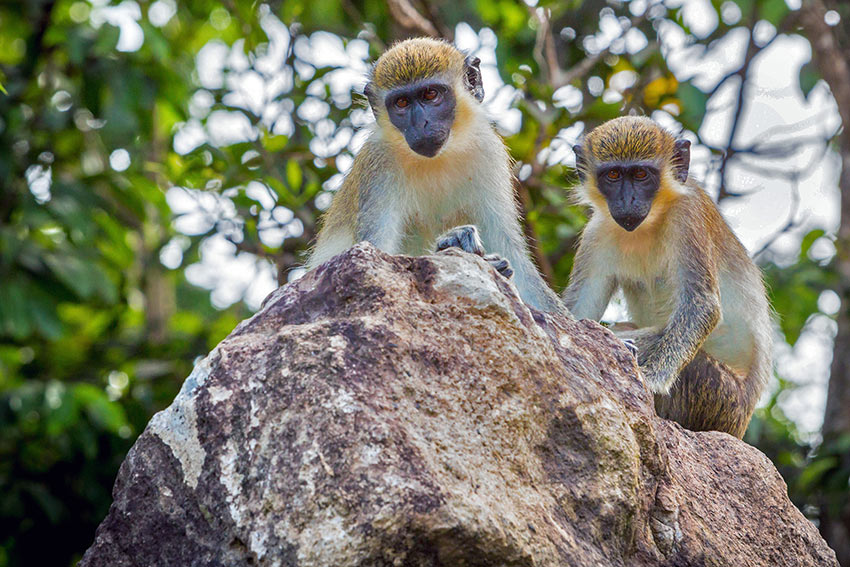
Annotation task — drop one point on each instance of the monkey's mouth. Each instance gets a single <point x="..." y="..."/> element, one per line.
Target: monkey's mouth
<point x="630" y="222"/>
<point x="428" y="145"/>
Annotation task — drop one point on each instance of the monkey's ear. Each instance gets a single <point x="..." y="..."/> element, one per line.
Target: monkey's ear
<point x="369" y="91"/>
<point x="472" y="77"/>
<point x="580" y="162"/>
<point x="681" y="160"/>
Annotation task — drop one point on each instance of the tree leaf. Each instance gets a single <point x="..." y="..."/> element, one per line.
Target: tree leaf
<point x="294" y="175"/>
<point x="274" y="143"/>
<point x="809" y="77"/>
<point x="692" y="104"/>
<point x="815" y="471"/>
<point x="106" y="414"/>
<point x="774" y="11"/>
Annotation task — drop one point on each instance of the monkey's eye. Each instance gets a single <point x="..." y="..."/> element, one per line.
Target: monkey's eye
<point x="639" y="173"/>
<point x="430" y="94"/>
<point x="613" y="175"/>
<point x="402" y="102"/>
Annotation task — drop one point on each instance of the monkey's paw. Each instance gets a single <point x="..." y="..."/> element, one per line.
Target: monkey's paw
<point x="464" y="237"/>
<point x="632" y="346"/>
<point x="658" y="381"/>
<point x="500" y="264"/>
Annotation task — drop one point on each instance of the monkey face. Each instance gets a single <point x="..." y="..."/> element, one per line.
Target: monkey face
<point x="424" y="112"/>
<point x="629" y="188"/>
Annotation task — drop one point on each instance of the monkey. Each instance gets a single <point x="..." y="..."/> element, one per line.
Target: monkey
<point x="432" y="161"/>
<point x="689" y="284"/>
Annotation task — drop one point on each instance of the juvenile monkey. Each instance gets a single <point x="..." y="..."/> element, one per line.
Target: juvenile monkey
<point x="688" y="282"/>
<point x="433" y="161"/>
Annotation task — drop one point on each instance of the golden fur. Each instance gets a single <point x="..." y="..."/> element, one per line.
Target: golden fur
<point x="415" y="59"/>
<point x="629" y="138"/>
<point x="687" y="280"/>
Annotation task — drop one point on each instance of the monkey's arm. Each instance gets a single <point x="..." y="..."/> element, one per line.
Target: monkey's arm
<point x="590" y="288"/>
<point x="662" y="354"/>
<point x="366" y="207"/>
<point x="379" y="219"/>
<point x="502" y="234"/>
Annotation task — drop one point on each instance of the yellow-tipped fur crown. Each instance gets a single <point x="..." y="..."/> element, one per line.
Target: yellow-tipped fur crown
<point x="415" y="59"/>
<point x="629" y="138"/>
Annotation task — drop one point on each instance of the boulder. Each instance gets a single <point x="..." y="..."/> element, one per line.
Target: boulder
<point x="397" y="411"/>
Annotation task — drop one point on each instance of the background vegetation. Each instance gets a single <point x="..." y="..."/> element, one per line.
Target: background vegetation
<point x="143" y="167"/>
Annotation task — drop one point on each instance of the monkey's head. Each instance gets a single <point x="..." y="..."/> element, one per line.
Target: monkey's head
<point x="419" y="86"/>
<point x="626" y="163"/>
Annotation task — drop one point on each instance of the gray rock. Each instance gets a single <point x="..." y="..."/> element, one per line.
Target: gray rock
<point x="387" y="410"/>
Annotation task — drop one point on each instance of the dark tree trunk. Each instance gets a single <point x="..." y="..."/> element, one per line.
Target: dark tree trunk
<point x="831" y="60"/>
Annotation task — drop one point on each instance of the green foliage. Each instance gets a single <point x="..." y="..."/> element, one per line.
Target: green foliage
<point x="817" y="473"/>
<point x="795" y="289"/>
<point x="809" y="77"/>
<point x="774" y="11"/>
<point x="692" y="102"/>
<point x="84" y="362"/>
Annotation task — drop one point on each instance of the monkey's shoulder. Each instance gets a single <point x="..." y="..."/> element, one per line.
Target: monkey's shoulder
<point x="705" y="232"/>
<point x="696" y="212"/>
<point x="373" y="155"/>
<point x="373" y="166"/>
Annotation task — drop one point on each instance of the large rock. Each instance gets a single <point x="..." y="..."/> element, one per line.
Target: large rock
<point x="387" y="410"/>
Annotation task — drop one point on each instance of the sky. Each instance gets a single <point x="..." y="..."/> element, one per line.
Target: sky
<point x="776" y="111"/>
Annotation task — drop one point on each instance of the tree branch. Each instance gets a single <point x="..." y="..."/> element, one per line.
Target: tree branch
<point x="403" y="12"/>
<point x="752" y="50"/>
<point x="562" y="78"/>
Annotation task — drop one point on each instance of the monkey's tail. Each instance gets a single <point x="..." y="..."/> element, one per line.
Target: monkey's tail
<point x="710" y="396"/>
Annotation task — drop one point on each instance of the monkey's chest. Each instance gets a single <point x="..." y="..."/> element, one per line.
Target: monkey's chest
<point x="421" y="231"/>
<point x="650" y="301"/>
<point x="431" y="211"/>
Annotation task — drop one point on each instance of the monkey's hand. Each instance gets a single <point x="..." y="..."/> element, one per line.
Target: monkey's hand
<point x="630" y="344"/>
<point x="619" y="329"/>
<point x="657" y="366"/>
<point x="467" y="239"/>
<point x="464" y="237"/>
<point x="500" y="264"/>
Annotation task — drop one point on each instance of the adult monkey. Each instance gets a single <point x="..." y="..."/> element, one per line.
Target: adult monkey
<point x="687" y="280"/>
<point x="432" y="162"/>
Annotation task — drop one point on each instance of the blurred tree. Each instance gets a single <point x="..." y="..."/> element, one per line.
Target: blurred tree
<point x="830" y="44"/>
<point x="95" y="332"/>
<point x="151" y="149"/>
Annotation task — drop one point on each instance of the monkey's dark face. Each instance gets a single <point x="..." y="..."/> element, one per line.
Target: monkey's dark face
<point x="629" y="188"/>
<point x="424" y="112"/>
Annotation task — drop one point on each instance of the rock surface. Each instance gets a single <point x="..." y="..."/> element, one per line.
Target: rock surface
<point x="387" y="410"/>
